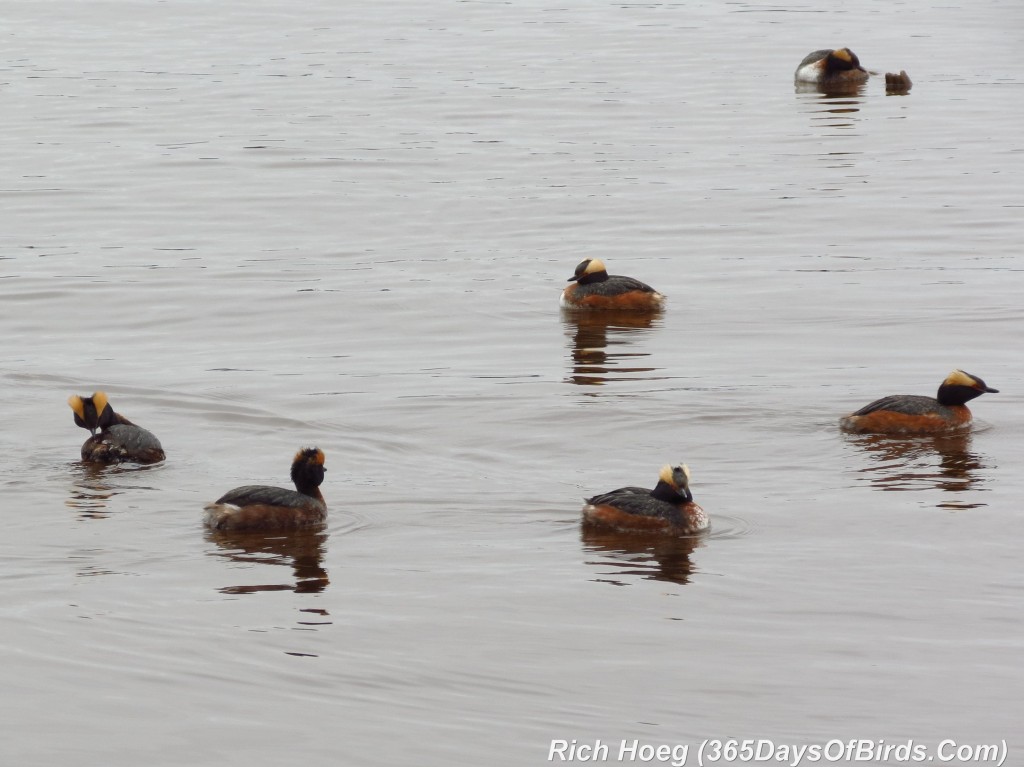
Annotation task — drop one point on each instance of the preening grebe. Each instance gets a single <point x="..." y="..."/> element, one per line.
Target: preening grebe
<point x="118" y="440"/>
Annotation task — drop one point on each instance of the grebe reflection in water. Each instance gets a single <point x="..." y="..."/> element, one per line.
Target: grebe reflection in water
<point x="601" y="346"/>
<point x="943" y="462"/>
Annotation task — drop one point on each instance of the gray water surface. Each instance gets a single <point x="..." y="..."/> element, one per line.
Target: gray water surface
<point x="260" y="226"/>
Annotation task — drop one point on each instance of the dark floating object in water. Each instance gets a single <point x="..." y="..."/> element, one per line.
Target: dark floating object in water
<point x="897" y="83"/>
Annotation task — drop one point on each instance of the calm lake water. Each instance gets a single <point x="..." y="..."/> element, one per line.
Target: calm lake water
<point x="259" y="226"/>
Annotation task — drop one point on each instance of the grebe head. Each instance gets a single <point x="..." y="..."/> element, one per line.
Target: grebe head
<point x="843" y="59"/>
<point x="590" y="268"/>
<point x="308" y="467"/>
<point x="960" y="378"/>
<point x="678" y="478"/>
<point x="960" y="387"/>
<point x="93" y="412"/>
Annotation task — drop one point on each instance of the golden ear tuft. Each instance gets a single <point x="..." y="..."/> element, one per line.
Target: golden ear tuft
<point x="311" y="454"/>
<point x="99" y="401"/>
<point x="843" y="54"/>
<point x="77" y="405"/>
<point x="665" y="475"/>
<point x="596" y="265"/>
<point x="959" y="378"/>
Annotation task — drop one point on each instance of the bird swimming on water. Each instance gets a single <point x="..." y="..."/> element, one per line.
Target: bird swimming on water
<point x="263" y="507"/>
<point x="668" y="508"/>
<point x="596" y="289"/>
<point x="915" y="414"/>
<point x="119" y="440"/>
<point x="831" y="68"/>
